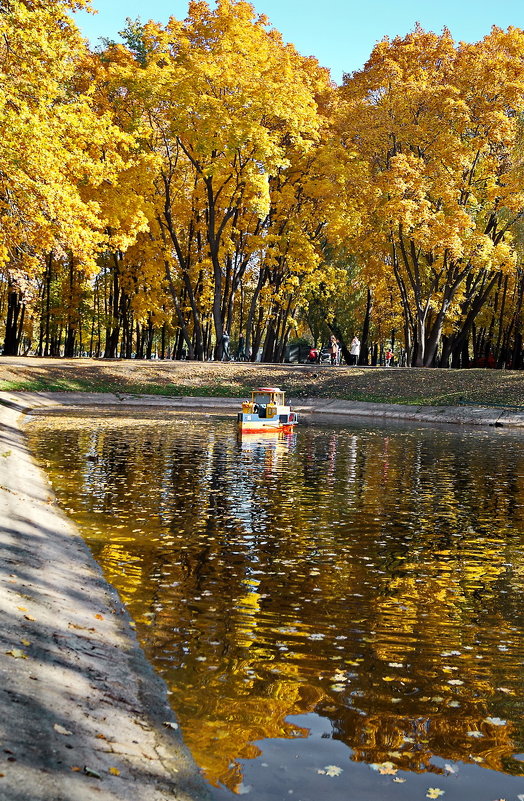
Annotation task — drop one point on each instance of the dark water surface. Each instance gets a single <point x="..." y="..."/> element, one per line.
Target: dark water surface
<point x="338" y="613"/>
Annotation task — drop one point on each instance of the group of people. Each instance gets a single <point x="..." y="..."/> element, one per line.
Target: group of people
<point x="334" y="350"/>
<point x="241" y="348"/>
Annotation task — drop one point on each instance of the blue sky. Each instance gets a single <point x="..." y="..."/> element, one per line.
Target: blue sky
<point x="340" y="33"/>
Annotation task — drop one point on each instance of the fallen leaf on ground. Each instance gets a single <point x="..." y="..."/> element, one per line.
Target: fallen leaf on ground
<point x="29" y="617"/>
<point x="114" y="771"/>
<point x="17" y="653"/>
<point x="90" y="772"/>
<point x="61" y="730"/>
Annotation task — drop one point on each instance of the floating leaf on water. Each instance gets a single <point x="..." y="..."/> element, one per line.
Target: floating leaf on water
<point x="475" y="734"/>
<point x="387" y="769"/>
<point x="496" y="721"/>
<point x="384" y="767"/>
<point x="330" y="770"/>
<point x="455" y="681"/>
<point x="171" y="725"/>
<point x="434" y="792"/>
<point x="398" y="780"/>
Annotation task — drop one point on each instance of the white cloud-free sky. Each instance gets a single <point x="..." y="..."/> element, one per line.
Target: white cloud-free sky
<point x="340" y="33"/>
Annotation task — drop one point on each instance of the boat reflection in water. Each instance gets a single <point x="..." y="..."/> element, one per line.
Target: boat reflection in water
<point x="267" y="448"/>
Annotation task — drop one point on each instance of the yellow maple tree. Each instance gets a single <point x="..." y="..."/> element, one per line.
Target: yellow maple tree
<point x="436" y="124"/>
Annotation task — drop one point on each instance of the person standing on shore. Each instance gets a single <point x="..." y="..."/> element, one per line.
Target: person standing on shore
<point x="354" y="350"/>
<point x="225" y="346"/>
<point x="333" y="349"/>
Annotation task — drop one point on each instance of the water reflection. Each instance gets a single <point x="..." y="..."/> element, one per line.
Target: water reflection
<point x="338" y="599"/>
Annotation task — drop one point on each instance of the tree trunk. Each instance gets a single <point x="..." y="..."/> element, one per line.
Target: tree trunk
<point x="14" y="322"/>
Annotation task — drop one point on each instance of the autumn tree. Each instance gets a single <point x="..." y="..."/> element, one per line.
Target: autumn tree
<point x="225" y="106"/>
<point x="56" y="152"/>
<point x="435" y="125"/>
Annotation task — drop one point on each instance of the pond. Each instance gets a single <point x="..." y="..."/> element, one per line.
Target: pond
<point x="337" y="613"/>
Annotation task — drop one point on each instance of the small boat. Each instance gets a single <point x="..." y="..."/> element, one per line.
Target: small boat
<point x="266" y="411"/>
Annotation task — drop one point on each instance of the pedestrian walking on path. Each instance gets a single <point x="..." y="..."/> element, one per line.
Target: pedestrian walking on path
<point x="354" y="350"/>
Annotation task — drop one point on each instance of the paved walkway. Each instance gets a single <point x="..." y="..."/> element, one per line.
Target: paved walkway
<point x="454" y="415"/>
<point x="82" y="715"/>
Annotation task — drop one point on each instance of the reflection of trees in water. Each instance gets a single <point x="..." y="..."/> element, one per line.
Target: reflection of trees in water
<point x="332" y="572"/>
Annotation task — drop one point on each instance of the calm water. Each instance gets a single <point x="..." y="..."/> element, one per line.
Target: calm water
<point x="338" y="613"/>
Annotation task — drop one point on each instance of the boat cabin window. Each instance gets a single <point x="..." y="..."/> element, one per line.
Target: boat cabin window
<point x="267" y="397"/>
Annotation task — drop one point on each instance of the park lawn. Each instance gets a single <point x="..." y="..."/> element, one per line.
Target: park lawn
<point x="413" y="386"/>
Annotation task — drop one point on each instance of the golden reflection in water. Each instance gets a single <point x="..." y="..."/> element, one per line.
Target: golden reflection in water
<point x="373" y="578"/>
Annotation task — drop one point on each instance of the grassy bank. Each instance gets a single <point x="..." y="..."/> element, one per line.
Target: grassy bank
<point x="380" y="385"/>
